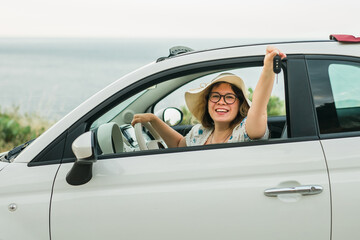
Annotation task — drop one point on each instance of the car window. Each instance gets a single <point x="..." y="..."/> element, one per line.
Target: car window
<point x="170" y="94"/>
<point x="345" y="85"/>
<point x="250" y="75"/>
<point x="336" y="86"/>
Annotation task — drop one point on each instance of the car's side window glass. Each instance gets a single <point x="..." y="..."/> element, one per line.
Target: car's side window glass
<point x="345" y="85"/>
<point x="114" y="133"/>
<point x="250" y="75"/>
<point x="336" y="87"/>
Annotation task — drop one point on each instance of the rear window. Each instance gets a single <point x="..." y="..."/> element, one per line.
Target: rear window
<point x="336" y="91"/>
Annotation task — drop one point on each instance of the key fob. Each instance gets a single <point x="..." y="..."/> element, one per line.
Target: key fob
<point x="277" y="64"/>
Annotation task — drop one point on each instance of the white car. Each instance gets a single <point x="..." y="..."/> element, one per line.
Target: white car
<point x="302" y="183"/>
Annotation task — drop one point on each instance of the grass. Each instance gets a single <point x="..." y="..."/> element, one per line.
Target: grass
<point x="16" y="128"/>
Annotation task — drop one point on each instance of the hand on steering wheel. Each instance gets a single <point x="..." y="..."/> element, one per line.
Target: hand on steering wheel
<point x="158" y="143"/>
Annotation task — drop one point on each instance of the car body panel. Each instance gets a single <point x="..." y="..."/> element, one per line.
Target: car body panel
<point x="29" y="189"/>
<point x="343" y="159"/>
<point x="3" y="165"/>
<point x="204" y="194"/>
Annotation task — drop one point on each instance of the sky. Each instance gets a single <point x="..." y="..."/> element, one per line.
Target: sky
<point x="178" y="19"/>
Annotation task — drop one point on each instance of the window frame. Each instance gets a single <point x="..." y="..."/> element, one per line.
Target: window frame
<point x="301" y="115"/>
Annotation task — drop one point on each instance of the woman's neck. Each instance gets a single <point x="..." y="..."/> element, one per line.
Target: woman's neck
<point x="221" y="133"/>
<point x="222" y="127"/>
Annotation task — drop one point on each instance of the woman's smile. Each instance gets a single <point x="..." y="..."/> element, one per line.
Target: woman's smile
<point x="221" y="110"/>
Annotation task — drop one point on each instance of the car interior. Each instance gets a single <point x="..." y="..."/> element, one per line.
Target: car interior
<point x="166" y="100"/>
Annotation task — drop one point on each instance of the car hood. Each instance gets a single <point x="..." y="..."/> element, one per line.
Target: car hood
<point x="3" y="165"/>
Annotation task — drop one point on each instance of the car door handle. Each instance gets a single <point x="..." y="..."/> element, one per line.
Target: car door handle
<point x="303" y="190"/>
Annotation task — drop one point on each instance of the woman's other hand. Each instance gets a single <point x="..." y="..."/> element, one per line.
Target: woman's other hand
<point x="171" y="137"/>
<point x="142" y="118"/>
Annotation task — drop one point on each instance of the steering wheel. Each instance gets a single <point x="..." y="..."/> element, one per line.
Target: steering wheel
<point x="110" y="138"/>
<point x="158" y="143"/>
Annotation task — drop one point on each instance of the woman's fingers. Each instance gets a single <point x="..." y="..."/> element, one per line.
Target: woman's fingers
<point x="141" y="118"/>
<point x="136" y="119"/>
<point x="273" y="51"/>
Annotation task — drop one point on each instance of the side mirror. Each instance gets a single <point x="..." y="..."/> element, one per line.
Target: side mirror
<point x="84" y="150"/>
<point x="171" y="116"/>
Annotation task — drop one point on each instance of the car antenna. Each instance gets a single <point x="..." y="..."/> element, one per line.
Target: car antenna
<point x="174" y="51"/>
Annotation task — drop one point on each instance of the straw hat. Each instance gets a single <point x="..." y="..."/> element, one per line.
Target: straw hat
<point x="195" y="97"/>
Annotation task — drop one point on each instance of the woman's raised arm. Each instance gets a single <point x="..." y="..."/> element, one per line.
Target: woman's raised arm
<point x="256" y="122"/>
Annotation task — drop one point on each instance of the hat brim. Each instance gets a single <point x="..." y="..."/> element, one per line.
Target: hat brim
<point x="194" y="97"/>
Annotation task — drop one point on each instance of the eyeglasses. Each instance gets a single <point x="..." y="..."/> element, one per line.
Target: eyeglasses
<point x="229" y="98"/>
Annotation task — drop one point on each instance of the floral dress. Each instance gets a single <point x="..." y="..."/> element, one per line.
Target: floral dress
<point x="199" y="134"/>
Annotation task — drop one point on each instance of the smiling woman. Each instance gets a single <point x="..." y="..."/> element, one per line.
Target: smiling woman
<point x="220" y="106"/>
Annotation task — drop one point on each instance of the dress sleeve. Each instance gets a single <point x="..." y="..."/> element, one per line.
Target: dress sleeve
<point x="247" y="138"/>
<point x="240" y="134"/>
<point x="191" y="135"/>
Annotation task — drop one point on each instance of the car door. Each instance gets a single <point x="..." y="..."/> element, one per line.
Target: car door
<point x="25" y="193"/>
<point x="336" y="84"/>
<point x="276" y="189"/>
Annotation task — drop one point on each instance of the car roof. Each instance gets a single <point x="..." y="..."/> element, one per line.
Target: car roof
<point x="303" y="46"/>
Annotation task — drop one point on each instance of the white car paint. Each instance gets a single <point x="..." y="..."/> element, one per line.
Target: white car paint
<point x="3" y="164"/>
<point x="197" y="195"/>
<point x="29" y="190"/>
<point x="343" y="159"/>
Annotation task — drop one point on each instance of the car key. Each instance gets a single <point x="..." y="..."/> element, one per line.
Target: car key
<point x="277" y="66"/>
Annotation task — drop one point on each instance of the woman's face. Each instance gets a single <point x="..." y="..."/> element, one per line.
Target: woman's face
<point x="221" y="112"/>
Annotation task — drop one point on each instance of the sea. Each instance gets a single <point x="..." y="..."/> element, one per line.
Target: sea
<point x="49" y="77"/>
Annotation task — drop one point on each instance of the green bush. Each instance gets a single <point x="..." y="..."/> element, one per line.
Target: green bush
<point x="188" y="118"/>
<point x="275" y="107"/>
<point x="16" y="129"/>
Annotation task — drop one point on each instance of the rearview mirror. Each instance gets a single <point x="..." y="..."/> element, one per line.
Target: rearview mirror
<point x="84" y="150"/>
